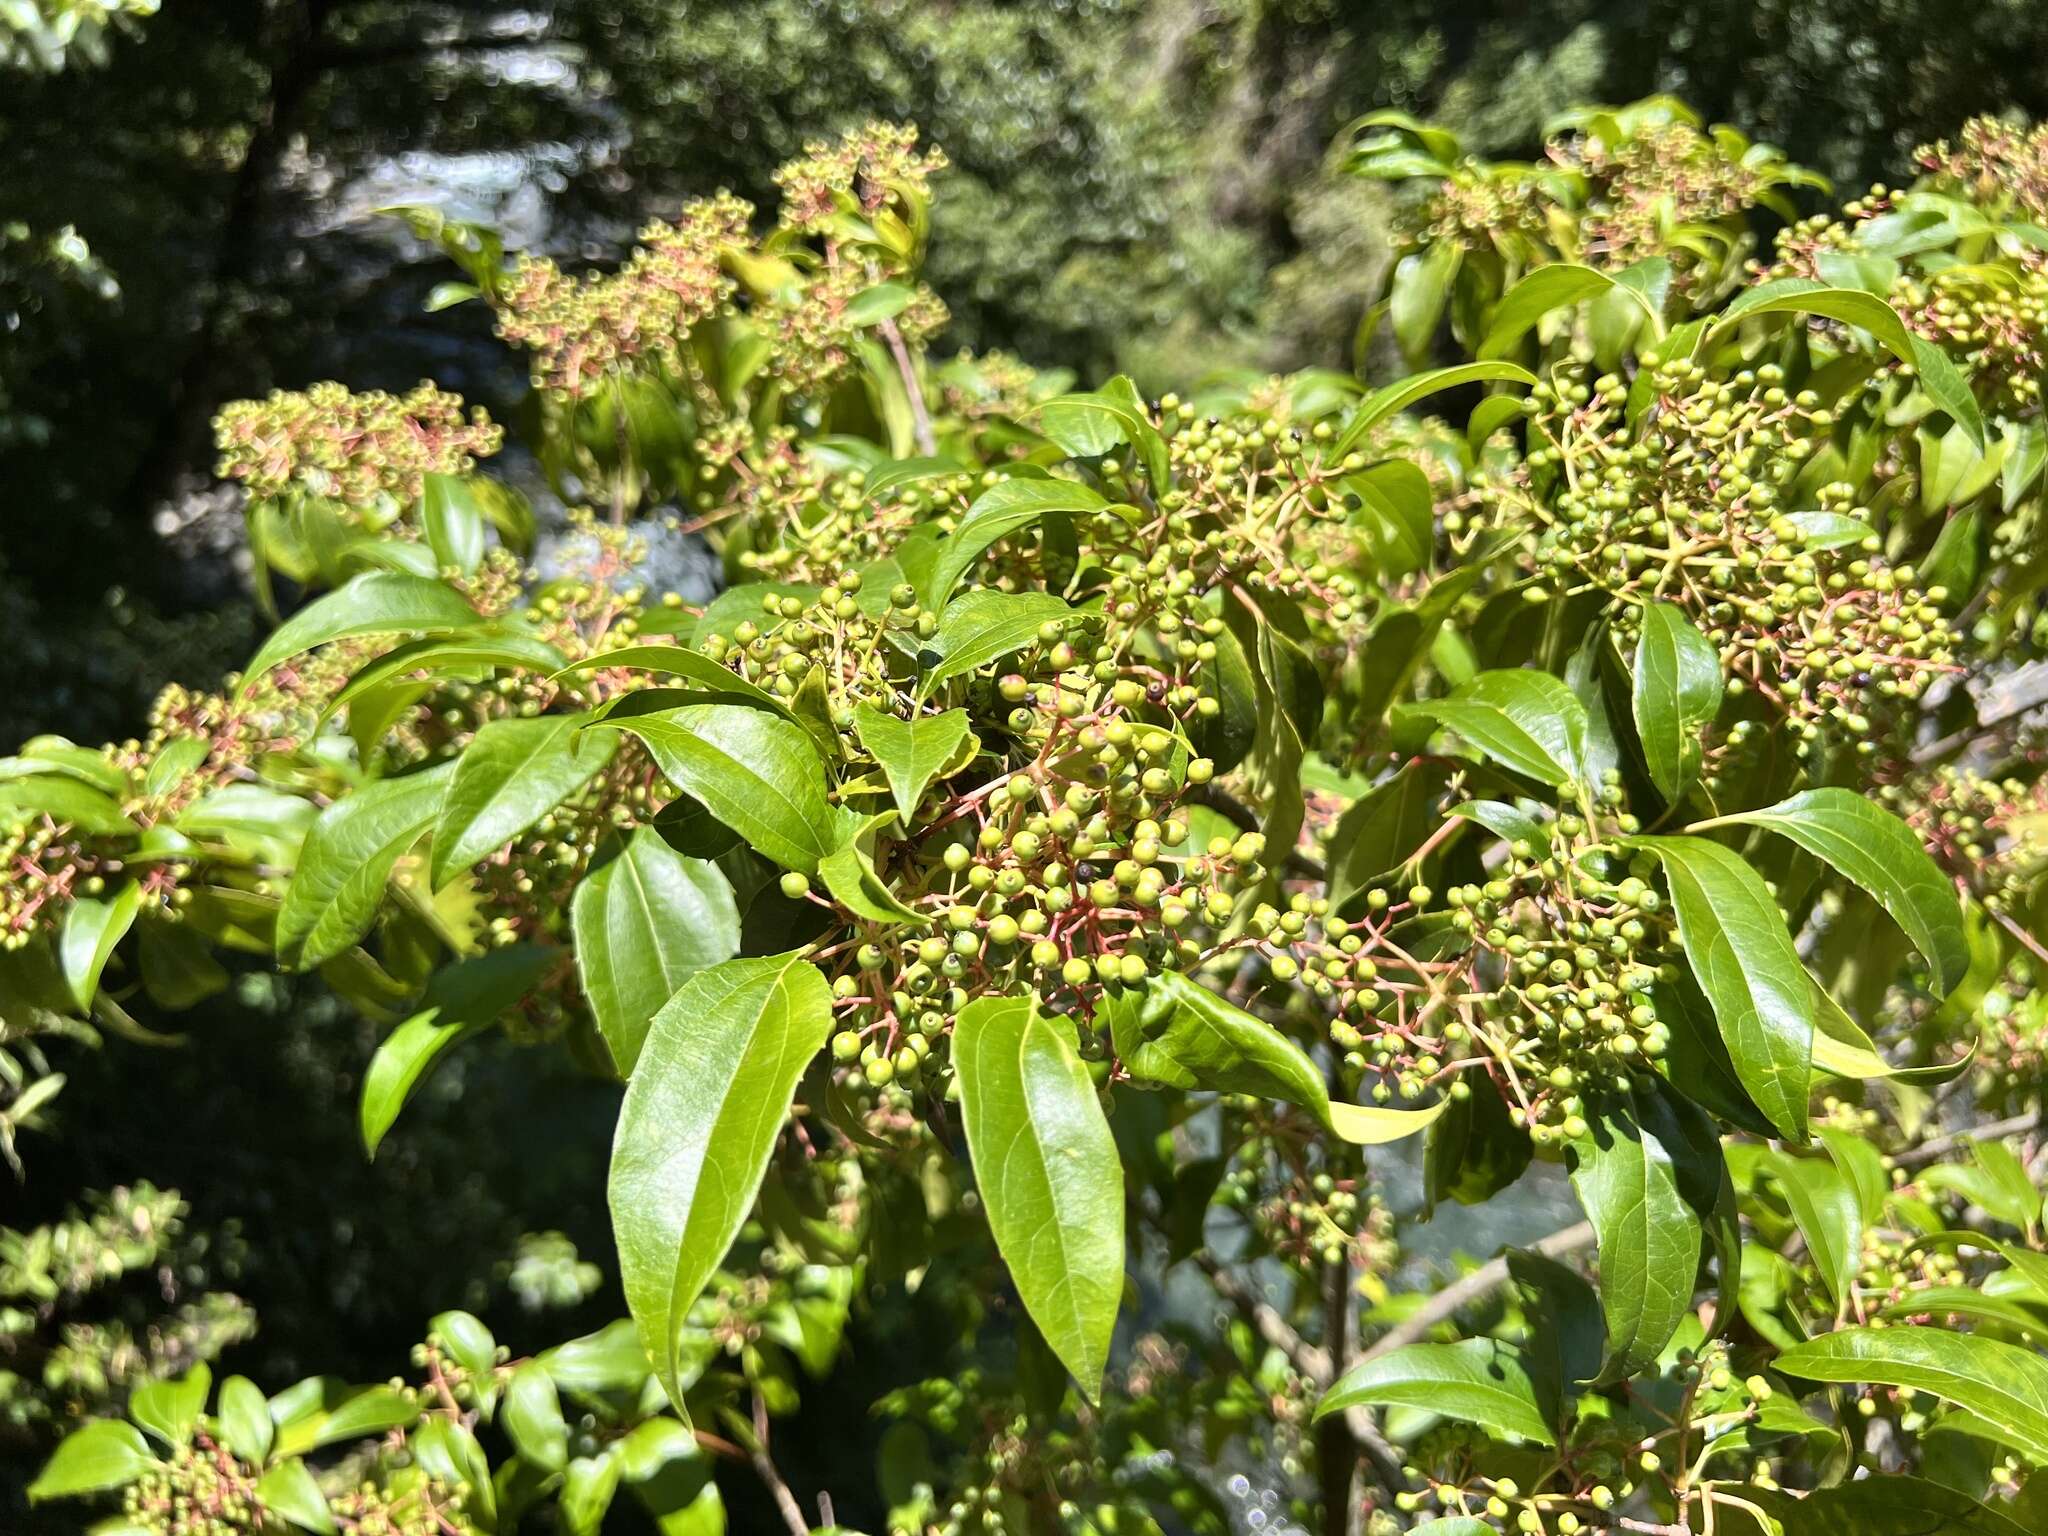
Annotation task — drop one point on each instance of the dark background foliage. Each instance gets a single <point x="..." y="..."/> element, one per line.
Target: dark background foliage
<point x="1144" y="184"/>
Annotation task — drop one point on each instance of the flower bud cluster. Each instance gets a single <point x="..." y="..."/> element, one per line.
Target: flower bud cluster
<point x="354" y="449"/>
<point x="857" y="175"/>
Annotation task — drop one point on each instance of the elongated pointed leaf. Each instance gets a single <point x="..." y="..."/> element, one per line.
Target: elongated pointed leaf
<point x="444" y="654"/>
<point x="289" y="1489"/>
<point x="1677" y="693"/>
<point x="462" y="1000"/>
<point x="347" y="858"/>
<point x="1049" y="1174"/>
<point x="2003" y="1384"/>
<point x="1645" y="1185"/>
<point x="512" y="773"/>
<point x="375" y="603"/>
<point x="1392" y="399"/>
<point x="1005" y="508"/>
<point x="644" y="924"/>
<point x="1872" y="1506"/>
<point x="1551" y="287"/>
<point x="92" y="927"/>
<point x="1827" y="1210"/>
<point x="697" y="671"/>
<point x="912" y="752"/>
<point x="703" y="1109"/>
<point x="453" y="521"/>
<point x="755" y="772"/>
<point x="1871" y="847"/>
<point x="982" y="626"/>
<point x="169" y="1408"/>
<point x="107" y="1453"/>
<point x="1477" y="1381"/>
<point x="849" y="874"/>
<point x="245" y="1420"/>
<point x="1175" y="1031"/>
<point x="1526" y="721"/>
<point x="1736" y="943"/>
<point x="67" y="801"/>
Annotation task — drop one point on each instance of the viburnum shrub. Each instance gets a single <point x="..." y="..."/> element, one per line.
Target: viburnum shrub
<point x="1084" y="825"/>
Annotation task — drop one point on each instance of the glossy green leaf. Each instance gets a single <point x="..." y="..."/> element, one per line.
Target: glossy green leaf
<point x="849" y="874"/>
<point x="245" y="1422"/>
<point x="1551" y="287"/>
<point x="757" y="773"/>
<point x="1476" y="1381"/>
<point x="1087" y="425"/>
<point x="913" y="752"/>
<point x="1869" y="1506"/>
<point x="67" y="802"/>
<point x="587" y="1488"/>
<point x="178" y="967"/>
<point x="1176" y="1032"/>
<point x="375" y="603"/>
<point x="2004" y="1384"/>
<point x="1567" y="1332"/>
<point x="442" y="655"/>
<point x="512" y="773"/>
<point x="106" y="1453"/>
<point x="347" y="860"/>
<point x="983" y="625"/>
<point x="1677" y="693"/>
<point x="1418" y="293"/>
<point x="453" y="521"/>
<point x="703" y="1109"/>
<point x="169" y="1407"/>
<point x="289" y="1489"/>
<point x="1829" y="1215"/>
<point x="462" y="1000"/>
<point x="697" y="671"/>
<point x="1526" y="721"/>
<point x="1392" y="399"/>
<point x="1007" y="507"/>
<point x="1048" y="1171"/>
<point x="645" y="923"/>
<point x="92" y="927"/>
<point x="1735" y="940"/>
<point x="1645" y="1185"/>
<point x="532" y="1416"/>
<point x="1868" y="845"/>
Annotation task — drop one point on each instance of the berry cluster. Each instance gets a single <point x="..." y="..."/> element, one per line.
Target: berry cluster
<point x="203" y="1490"/>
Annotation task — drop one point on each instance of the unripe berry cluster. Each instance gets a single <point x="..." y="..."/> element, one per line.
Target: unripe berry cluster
<point x="202" y="1490"/>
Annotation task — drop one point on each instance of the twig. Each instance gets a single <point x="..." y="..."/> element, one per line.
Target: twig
<point x="1483" y="1281"/>
<point x="920" y="418"/>
<point x="1941" y="1146"/>
<point x="764" y="1466"/>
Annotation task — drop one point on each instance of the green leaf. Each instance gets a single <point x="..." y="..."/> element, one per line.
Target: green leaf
<point x="755" y="772"/>
<point x="374" y="603"/>
<point x="849" y="874"/>
<point x="1870" y="1506"/>
<point x="1646" y="1184"/>
<point x="1567" y="1333"/>
<point x="2003" y="1384"/>
<point x="441" y="655"/>
<point x="245" y="1421"/>
<point x="1868" y="845"/>
<point x="1379" y="830"/>
<point x="1862" y="1165"/>
<point x="92" y="927"/>
<point x="178" y="969"/>
<point x="1007" y="507"/>
<point x="1476" y="1381"/>
<point x="289" y="1489"/>
<point x="698" y="671"/>
<point x="1392" y="399"/>
<point x="1418" y="293"/>
<point x="873" y="305"/>
<point x="106" y="1453"/>
<point x="1174" y="1031"/>
<point x="1828" y="1213"/>
<point x="703" y="1109"/>
<point x="1049" y="1174"/>
<point x="1548" y="288"/>
<point x="347" y="859"/>
<point x="1526" y="721"/>
<point x="1086" y="425"/>
<point x="1677" y="693"/>
<point x="169" y="1408"/>
<point x="1829" y="530"/>
<point x="1474" y="1152"/>
<point x="1851" y="306"/>
<point x="452" y="521"/>
<point x="532" y="1416"/>
<point x="512" y="773"/>
<point x="67" y="802"/>
<point x="1735" y="940"/>
<point x="460" y="1001"/>
<point x="983" y="625"/>
<point x="587" y="1489"/>
<point x="644" y="924"/>
<point x="913" y="752"/>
